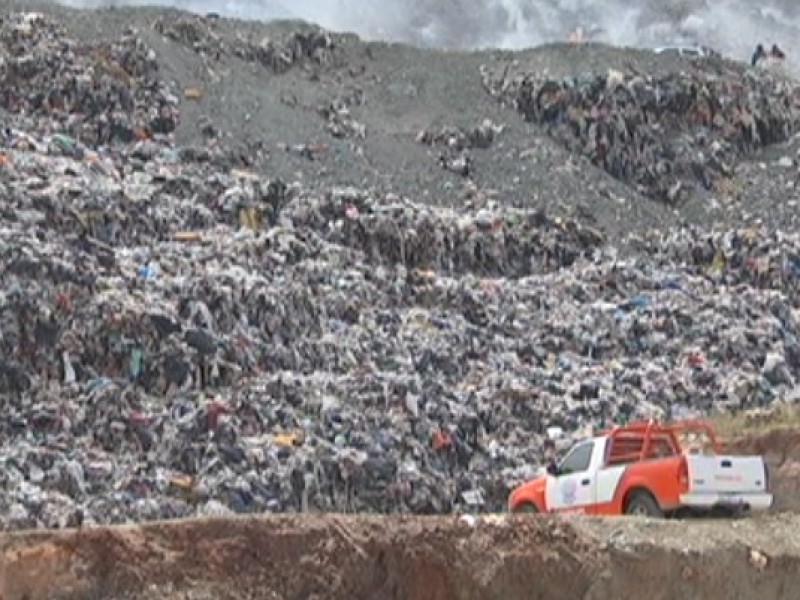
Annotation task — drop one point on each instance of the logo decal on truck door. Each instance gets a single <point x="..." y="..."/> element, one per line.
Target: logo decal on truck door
<point x="569" y="491"/>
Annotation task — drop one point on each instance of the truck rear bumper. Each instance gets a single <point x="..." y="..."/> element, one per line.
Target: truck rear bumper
<point x="750" y="501"/>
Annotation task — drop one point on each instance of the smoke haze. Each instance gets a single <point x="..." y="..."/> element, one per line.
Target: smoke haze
<point x="733" y="27"/>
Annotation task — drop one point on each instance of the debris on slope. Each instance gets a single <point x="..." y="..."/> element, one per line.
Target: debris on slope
<point x="300" y="48"/>
<point x="459" y="139"/>
<point x="668" y="136"/>
<point x="455" y="143"/>
<point x="339" y="121"/>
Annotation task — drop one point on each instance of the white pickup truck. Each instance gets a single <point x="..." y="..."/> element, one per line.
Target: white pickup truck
<point x="648" y="469"/>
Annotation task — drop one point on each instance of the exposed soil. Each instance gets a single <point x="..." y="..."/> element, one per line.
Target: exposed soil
<point x="781" y="451"/>
<point x="438" y="559"/>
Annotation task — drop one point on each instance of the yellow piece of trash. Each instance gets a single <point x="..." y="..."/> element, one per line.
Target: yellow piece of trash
<point x="187" y="236"/>
<point x="719" y="263"/>
<point x="495" y="519"/>
<point x="425" y="273"/>
<point x="193" y="93"/>
<point x="184" y="482"/>
<point x="750" y="236"/>
<point x="287" y="439"/>
<point x="250" y="218"/>
<point x="244" y="174"/>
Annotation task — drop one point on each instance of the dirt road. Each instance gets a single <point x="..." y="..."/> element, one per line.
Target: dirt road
<point x="331" y="557"/>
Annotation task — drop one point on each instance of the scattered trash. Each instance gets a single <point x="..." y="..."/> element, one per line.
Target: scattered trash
<point x="757" y="560"/>
<point x="670" y="136"/>
<point x="193" y="94"/>
<point x="312" y="46"/>
<point x="458" y="139"/>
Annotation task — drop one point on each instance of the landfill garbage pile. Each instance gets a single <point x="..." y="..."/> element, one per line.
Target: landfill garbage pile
<point x="671" y="137"/>
<point x="313" y="47"/>
<point x="182" y="337"/>
<point x="100" y="93"/>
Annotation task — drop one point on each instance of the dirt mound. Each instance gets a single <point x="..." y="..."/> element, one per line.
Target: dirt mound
<point x="438" y="559"/>
<point x="288" y="558"/>
<point x="781" y="451"/>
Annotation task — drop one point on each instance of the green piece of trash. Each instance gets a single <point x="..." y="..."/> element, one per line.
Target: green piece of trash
<point x="136" y="361"/>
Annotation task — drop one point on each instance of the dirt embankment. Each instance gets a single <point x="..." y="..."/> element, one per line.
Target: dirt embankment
<point x="437" y="559"/>
<point x="781" y="451"/>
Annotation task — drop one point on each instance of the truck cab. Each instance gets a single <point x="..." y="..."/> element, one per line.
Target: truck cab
<point x="648" y="469"/>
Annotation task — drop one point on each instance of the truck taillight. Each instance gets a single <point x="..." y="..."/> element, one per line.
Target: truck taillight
<point x="683" y="474"/>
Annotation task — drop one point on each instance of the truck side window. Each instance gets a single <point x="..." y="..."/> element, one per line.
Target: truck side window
<point x="578" y="459"/>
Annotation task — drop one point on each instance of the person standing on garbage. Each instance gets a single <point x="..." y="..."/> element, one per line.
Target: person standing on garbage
<point x="776" y="53"/>
<point x="550" y="456"/>
<point x="759" y="55"/>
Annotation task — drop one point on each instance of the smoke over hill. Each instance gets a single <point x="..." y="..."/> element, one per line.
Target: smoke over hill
<point x="732" y="26"/>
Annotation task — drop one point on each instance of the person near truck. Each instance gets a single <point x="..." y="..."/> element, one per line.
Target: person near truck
<point x="550" y="455"/>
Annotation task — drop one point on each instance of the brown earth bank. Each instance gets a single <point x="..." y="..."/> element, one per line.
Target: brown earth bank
<point x="353" y="558"/>
<point x="781" y="451"/>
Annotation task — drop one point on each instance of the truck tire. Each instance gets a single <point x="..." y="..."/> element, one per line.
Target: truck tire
<point x="526" y="508"/>
<point x="642" y="504"/>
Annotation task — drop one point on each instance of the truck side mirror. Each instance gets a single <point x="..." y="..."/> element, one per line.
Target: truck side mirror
<point x="552" y="469"/>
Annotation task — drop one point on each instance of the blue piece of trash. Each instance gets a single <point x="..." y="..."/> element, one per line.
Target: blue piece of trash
<point x="639" y="301"/>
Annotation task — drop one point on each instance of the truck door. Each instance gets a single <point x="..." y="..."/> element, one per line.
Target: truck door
<point x="574" y="488"/>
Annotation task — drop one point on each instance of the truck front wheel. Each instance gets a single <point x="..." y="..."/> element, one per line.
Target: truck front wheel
<point x="526" y="508"/>
<point x="642" y="504"/>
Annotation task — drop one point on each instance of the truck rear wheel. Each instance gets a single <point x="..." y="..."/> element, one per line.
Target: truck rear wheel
<point x="642" y="504"/>
<point x="526" y="508"/>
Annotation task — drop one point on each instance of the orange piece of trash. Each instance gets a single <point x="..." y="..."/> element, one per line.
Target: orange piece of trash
<point x="193" y="93"/>
<point x="287" y="439"/>
<point x="187" y="236"/>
